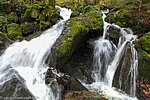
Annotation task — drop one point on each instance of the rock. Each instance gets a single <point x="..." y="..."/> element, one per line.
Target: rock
<point x="14" y="31"/>
<point x="83" y="95"/>
<point x="35" y="11"/>
<point x="3" y="24"/>
<point x="27" y="28"/>
<point x="27" y="16"/>
<point x="76" y="32"/>
<point x="45" y="25"/>
<point x="113" y="34"/>
<point x="143" y="48"/>
<point x="127" y="18"/>
<point x="4" y="42"/>
<point x="13" y="86"/>
<point x="68" y="83"/>
<point x="12" y="18"/>
<point x="121" y="78"/>
<point x="5" y="6"/>
<point x="79" y="65"/>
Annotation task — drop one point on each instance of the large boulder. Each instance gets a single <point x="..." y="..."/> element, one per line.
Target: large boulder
<point x="14" y="31"/>
<point x="12" y="86"/>
<point x="79" y="65"/>
<point x="143" y="48"/>
<point x="27" y="28"/>
<point x="3" y="24"/>
<point x="76" y="32"/>
<point x="35" y="11"/>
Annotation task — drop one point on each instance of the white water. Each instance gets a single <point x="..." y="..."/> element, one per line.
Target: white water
<point x="28" y="58"/>
<point x="106" y="59"/>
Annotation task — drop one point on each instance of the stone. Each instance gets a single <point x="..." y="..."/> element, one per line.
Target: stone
<point x="27" y="28"/>
<point x="13" y="30"/>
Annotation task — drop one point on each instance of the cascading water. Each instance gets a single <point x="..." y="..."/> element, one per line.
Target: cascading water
<point x="107" y="58"/>
<point x="28" y="59"/>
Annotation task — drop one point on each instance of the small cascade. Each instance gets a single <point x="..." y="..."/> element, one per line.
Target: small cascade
<point x="107" y="56"/>
<point x="27" y="58"/>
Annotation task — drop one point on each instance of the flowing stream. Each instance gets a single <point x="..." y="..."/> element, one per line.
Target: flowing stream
<point x="107" y="57"/>
<point x="27" y="58"/>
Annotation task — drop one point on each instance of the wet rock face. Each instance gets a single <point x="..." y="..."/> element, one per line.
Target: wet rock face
<point x="122" y="78"/>
<point x="80" y="64"/>
<point x="59" y="80"/>
<point x="113" y="34"/>
<point x="14" y="88"/>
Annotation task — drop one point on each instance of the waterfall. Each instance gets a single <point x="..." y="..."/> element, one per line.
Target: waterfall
<point x="27" y="58"/>
<point x="106" y="59"/>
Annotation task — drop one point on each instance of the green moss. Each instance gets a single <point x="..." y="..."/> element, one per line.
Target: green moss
<point x="144" y="41"/>
<point x="35" y="11"/>
<point x="36" y="6"/>
<point x="27" y="16"/>
<point x="75" y="14"/>
<point x="42" y="16"/>
<point x="13" y="31"/>
<point x="120" y="17"/>
<point x="144" y="65"/>
<point x="45" y="25"/>
<point x="3" y="37"/>
<point x="3" y="23"/>
<point x="20" y="38"/>
<point x="12" y="18"/>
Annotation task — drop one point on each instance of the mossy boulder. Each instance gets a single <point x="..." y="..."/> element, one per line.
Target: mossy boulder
<point x="27" y="28"/>
<point x="76" y="31"/>
<point x="127" y="18"/>
<point x="120" y="17"/>
<point x="144" y="66"/>
<point x="12" y="18"/>
<point x="52" y="15"/>
<point x="5" y="6"/>
<point x="27" y="16"/>
<point x="14" y="31"/>
<point x="143" y="48"/>
<point x="45" y="25"/>
<point x="35" y="11"/>
<point x="3" y="23"/>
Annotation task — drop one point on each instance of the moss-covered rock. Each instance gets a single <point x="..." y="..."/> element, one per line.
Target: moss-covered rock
<point x="144" y="65"/>
<point x="120" y="17"/>
<point x="45" y="25"/>
<point x="14" y="31"/>
<point x="35" y="11"/>
<point x="5" y="6"/>
<point x="52" y="15"/>
<point x="4" y="40"/>
<point x="12" y="18"/>
<point x="143" y="47"/>
<point x="76" y="32"/>
<point x="128" y="18"/>
<point x="27" y="28"/>
<point x="3" y="23"/>
<point x="27" y="16"/>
